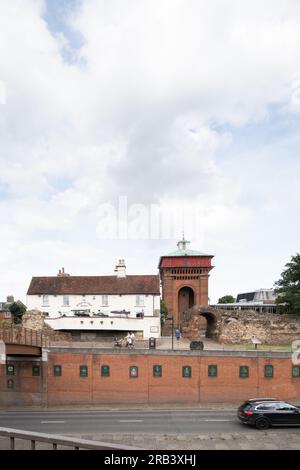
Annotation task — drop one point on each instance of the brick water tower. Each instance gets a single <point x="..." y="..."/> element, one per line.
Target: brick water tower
<point x="184" y="277"/>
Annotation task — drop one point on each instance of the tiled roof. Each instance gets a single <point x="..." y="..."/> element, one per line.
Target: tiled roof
<point x="140" y="284"/>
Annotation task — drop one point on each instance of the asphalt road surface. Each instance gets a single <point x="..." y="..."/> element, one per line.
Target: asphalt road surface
<point x="130" y="421"/>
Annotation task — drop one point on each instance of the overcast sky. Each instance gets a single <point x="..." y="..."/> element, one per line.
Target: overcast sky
<point x="188" y="106"/>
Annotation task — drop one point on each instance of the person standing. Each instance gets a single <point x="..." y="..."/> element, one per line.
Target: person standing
<point x="132" y="338"/>
<point x="128" y="339"/>
<point x="177" y="334"/>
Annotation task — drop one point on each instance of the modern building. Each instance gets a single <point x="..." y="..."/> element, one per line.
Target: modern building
<point x="260" y="295"/>
<point x="184" y="277"/>
<point x="261" y="300"/>
<point x="91" y="305"/>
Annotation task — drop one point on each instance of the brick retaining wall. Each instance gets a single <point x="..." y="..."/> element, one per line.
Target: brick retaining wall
<point x="119" y="387"/>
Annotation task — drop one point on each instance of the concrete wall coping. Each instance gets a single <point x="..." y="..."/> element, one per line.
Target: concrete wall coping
<point x="162" y="352"/>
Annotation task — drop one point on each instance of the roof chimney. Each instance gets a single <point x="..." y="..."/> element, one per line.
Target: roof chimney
<point x="10" y="299"/>
<point x="120" y="268"/>
<point x="61" y="273"/>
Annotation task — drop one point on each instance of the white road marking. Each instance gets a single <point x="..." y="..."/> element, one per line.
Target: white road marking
<point x="131" y="420"/>
<point x="55" y="422"/>
<point x="227" y="420"/>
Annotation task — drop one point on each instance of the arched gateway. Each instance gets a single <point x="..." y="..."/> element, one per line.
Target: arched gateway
<point x="186" y="300"/>
<point x="184" y="277"/>
<point x="199" y="322"/>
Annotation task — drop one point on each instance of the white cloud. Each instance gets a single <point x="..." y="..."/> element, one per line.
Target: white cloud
<point x="152" y="114"/>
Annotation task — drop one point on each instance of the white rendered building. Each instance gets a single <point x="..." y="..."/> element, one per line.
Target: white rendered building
<point x="90" y="305"/>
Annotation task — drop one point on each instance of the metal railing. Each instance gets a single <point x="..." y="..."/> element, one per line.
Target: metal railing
<point x="19" y="335"/>
<point x="56" y="440"/>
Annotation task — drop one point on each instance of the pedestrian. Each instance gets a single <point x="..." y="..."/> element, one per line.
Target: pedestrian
<point x="129" y="343"/>
<point x="132" y="338"/>
<point x="128" y="339"/>
<point x="177" y="334"/>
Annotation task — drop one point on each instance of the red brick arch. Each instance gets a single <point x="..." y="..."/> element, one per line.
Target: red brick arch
<point x="186" y="298"/>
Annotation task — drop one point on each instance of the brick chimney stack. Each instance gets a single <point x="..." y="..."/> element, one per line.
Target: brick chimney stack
<point x="120" y="268"/>
<point x="61" y="273"/>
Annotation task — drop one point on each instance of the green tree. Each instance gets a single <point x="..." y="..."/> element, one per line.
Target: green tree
<point x="163" y="311"/>
<point x="17" y="309"/>
<point x="226" y="299"/>
<point x="288" y="287"/>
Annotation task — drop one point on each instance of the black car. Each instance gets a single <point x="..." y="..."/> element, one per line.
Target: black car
<point x="263" y="413"/>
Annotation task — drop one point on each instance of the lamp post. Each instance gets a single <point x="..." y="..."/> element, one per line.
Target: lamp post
<point x="172" y="319"/>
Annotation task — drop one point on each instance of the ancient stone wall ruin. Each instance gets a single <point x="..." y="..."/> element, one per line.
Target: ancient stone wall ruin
<point x="35" y="320"/>
<point x="241" y="326"/>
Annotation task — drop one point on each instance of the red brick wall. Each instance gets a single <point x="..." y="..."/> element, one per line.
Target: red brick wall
<point x="27" y="389"/>
<point x="171" y="288"/>
<point x="70" y="388"/>
<point x="171" y="387"/>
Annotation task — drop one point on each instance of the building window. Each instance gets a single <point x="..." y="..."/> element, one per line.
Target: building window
<point x="45" y="300"/>
<point x="57" y="371"/>
<point x="140" y="301"/>
<point x="186" y="371"/>
<point x="295" y="371"/>
<point x="105" y="372"/>
<point x="7" y="314"/>
<point x="157" y="370"/>
<point x="133" y="371"/>
<point x="244" y="372"/>
<point x="10" y="369"/>
<point x="36" y="370"/>
<point x="104" y="300"/>
<point x="66" y="301"/>
<point x="212" y="370"/>
<point x="83" y="371"/>
<point x="269" y="371"/>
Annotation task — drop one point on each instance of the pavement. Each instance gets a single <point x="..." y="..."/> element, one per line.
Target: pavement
<point x="162" y="343"/>
<point x="212" y="441"/>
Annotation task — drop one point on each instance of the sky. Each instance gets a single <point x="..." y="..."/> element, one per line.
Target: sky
<point x="125" y="124"/>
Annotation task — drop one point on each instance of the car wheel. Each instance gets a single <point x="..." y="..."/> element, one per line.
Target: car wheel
<point x="262" y="423"/>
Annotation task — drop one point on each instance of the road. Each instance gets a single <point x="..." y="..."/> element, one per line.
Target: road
<point x="120" y="421"/>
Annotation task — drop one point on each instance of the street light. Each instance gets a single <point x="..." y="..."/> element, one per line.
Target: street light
<point x="172" y="319"/>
